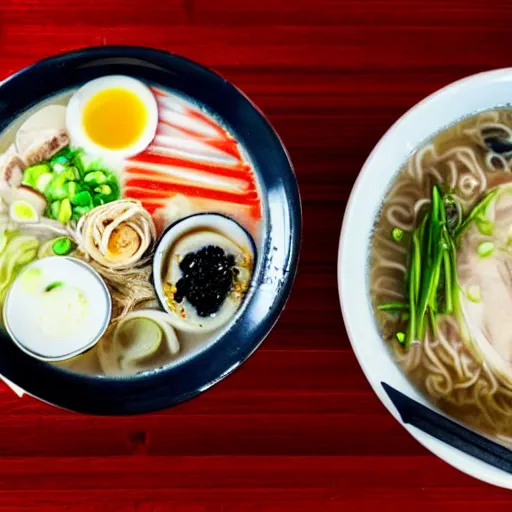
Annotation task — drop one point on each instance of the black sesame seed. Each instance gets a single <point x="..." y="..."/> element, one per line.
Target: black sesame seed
<point x="208" y="276"/>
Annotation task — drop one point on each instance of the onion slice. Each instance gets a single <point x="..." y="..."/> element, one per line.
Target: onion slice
<point x="129" y="350"/>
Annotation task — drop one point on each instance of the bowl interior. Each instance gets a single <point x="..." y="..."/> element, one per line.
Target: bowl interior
<point x="445" y="107"/>
<point x="278" y="256"/>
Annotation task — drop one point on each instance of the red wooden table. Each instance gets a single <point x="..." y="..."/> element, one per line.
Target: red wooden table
<point x="296" y="428"/>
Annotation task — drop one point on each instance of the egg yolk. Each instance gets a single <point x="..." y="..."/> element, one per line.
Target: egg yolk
<point x="114" y="118"/>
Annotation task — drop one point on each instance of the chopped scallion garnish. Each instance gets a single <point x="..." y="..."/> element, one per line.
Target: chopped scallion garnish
<point x="473" y="293"/>
<point x="478" y="211"/>
<point x="485" y="226"/>
<point x="485" y="249"/>
<point x="393" y="306"/>
<point x="397" y="234"/>
<point x="53" y="285"/>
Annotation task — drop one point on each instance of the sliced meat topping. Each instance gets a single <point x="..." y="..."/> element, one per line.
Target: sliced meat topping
<point x="11" y="168"/>
<point x="45" y="146"/>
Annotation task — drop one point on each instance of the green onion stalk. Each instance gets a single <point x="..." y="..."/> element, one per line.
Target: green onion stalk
<point x="432" y="286"/>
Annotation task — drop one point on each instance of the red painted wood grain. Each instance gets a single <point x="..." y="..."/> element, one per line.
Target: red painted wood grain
<point x="297" y="428"/>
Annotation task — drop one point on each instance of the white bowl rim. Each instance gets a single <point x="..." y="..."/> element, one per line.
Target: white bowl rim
<point x="454" y="457"/>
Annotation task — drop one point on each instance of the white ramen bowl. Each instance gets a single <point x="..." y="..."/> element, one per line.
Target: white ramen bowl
<point x="463" y="98"/>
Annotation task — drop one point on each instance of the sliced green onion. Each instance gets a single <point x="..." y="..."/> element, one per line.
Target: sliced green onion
<point x="59" y="160"/>
<point x="441" y="208"/>
<point x="432" y="321"/>
<point x="62" y="246"/>
<point x="79" y="211"/>
<point x="393" y="306"/>
<point x="485" y="249"/>
<point x="65" y="211"/>
<point x="98" y="201"/>
<point x="32" y="174"/>
<point x="83" y="198"/>
<point x="400" y="336"/>
<point x="72" y="189"/>
<point x="53" y="285"/>
<point x="417" y="266"/>
<point x="70" y="174"/>
<point x="397" y="234"/>
<point x="54" y="209"/>
<point x="478" y="210"/>
<point x="43" y="181"/>
<point x="414" y="281"/>
<point x="56" y="189"/>
<point x="58" y="167"/>
<point x="95" y="178"/>
<point x="485" y="226"/>
<point x="448" y="295"/>
<point x="105" y="190"/>
<point x="473" y="293"/>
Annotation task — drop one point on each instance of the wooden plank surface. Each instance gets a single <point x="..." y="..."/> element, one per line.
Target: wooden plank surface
<point x="297" y="428"/>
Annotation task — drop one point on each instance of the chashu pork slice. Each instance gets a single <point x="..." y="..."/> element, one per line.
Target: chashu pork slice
<point x="485" y="279"/>
<point x="43" y="134"/>
<point x="45" y="145"/>
<point x="11" y="168"/>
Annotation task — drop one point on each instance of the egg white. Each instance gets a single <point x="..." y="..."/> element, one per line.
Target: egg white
<point x="81" y="98"/>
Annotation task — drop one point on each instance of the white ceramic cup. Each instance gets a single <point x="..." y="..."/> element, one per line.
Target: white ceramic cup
<point x="479" y="92"/>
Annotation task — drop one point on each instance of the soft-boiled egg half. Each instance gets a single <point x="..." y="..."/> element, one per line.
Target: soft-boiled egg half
<point x="113" y="117"/>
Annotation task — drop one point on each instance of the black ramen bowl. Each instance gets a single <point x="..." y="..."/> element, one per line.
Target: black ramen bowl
<point x="278" y="256"/>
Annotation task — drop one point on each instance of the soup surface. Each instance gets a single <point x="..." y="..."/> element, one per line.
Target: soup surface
<point x="111" y="183"/>
<point x="441" y="270"/>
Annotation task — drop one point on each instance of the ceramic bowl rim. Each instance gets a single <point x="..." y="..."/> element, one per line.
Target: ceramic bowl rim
<point x="161" y="389"/>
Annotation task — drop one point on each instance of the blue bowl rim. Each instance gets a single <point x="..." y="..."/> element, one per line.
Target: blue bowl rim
<point x="166" y="387"/>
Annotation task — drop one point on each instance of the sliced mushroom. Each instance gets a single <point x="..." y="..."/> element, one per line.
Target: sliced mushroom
<point x="11" y="168"/>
